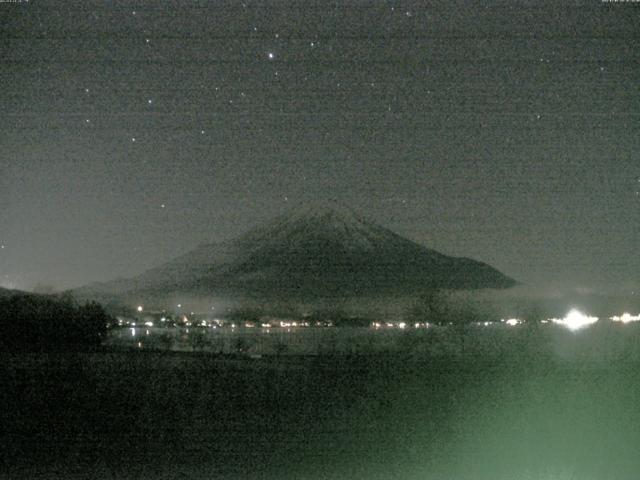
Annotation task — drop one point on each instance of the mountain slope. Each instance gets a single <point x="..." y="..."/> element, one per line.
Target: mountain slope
<point x="5" y="292"/>
<point x="310" y="252"/>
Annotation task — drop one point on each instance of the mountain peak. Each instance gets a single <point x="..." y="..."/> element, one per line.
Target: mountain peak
<point x="324" y="222"/>
<point x="326" y="211"/>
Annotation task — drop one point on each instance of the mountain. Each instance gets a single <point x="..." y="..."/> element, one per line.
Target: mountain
<point x="4" y="292"/>
<point x="326" y="251"/>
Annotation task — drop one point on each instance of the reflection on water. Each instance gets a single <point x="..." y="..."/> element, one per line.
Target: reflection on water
<point x="510" y="403"/>
<point x="121" y="415"/>
<point x="601" y="342"/>
<point x="256" y="341"/>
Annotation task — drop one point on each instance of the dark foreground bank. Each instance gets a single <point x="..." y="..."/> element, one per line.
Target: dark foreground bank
<point x="157" y="415"/>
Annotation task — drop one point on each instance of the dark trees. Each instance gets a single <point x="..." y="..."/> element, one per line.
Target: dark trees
<point x="43" y="323"/>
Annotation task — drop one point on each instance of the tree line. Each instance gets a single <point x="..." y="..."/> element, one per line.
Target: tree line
<point x="44" y="323"/>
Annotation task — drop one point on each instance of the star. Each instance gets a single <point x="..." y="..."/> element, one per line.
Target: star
<point x="147" y="40"/>
<point x="133" y="139"/>
<point x="86" y="90"/>
<point x="162" y="205"/>
<point x="201" y="132"/>
<point x="149" y="101"/>
<point x="271" y="55"/>
<point x="87" y="121"/>
<point x="1" y="247"/>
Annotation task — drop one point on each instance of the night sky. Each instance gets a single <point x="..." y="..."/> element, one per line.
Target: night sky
<point x="509" y="132"/>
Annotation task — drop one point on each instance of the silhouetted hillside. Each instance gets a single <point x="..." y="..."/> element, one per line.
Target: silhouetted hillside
<point x="310" y="252"/>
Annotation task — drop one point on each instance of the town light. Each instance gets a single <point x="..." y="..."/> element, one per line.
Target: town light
<point x="575" y="320"/>
<point x="625" y="318"/>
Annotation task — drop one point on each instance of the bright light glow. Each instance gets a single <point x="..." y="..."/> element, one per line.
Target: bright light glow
<point x="402" y="325"/>
<point x="139" y="308"/>
<point x="133" y="332"/>
<point x="512" y="322"/>
<point x="148" y="324"/>
<point x="575" y="320"/>
<point x="626" y="318"/>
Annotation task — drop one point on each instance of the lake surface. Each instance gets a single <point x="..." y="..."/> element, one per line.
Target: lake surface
<point x="154" y="415"/>
<point x="257" y="341"/>
<point x="605" y="342"/>
<point x="508" y="404"/>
